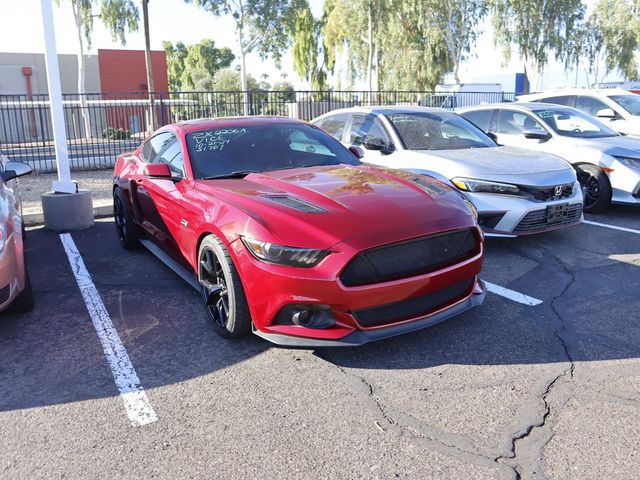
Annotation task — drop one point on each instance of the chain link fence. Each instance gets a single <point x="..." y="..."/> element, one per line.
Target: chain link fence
<point x="100" y="127"/>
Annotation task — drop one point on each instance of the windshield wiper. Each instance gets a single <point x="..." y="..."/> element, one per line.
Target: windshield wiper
<point x="236" y="174"/>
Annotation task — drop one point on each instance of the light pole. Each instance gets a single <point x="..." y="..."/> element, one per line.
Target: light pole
<point x="64" y="208"/>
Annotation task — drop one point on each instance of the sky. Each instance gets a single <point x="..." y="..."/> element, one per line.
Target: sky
<point x="175" y="20"/>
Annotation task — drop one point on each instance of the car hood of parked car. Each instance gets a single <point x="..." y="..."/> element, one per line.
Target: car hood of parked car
<point x="622" y="146"/>
<point x="317" y="207"/>
<point x="503" y="164"/>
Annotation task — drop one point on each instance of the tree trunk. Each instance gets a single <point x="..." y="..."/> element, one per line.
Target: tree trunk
<point x="147" y="57"/>
<point x="243" y="73"/>
<point x="370" y="50"/>
<point x="84" y="113"/>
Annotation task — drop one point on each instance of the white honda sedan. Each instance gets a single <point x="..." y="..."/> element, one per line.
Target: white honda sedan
<point x="607" y="163"/>
<point x="515" y="191"/>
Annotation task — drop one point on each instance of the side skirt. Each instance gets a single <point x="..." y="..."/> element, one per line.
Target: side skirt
<point x="187" y="276"/>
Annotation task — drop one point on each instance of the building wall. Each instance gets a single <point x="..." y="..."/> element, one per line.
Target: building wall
<point x="126" y="71"/>
<point x="12" y="81"/>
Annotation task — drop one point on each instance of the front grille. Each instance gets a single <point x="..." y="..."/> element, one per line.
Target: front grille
<point x="410" y="258"/>
<point x="546" y="194"/>
<point x="536" y="220"/>
<point x="5" y="293"/>
<point x="414" y="307"/>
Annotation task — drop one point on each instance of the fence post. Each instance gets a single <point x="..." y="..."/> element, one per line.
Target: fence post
<point x="163" y="117"/>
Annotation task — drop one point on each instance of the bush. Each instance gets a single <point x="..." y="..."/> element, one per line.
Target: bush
<point x="111" y="133"/>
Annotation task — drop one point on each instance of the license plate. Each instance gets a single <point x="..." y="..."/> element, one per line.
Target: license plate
<point x="557" y="213"/>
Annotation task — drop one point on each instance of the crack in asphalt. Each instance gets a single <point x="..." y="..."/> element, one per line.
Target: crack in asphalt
<point x="414" y="431"/>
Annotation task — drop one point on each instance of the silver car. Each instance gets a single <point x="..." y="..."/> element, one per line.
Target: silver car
<point x="515" y="191"/>
<point x="607" y="163"/>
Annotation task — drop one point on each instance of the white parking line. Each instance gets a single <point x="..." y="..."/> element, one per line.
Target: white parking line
<point x="136" y="402"/>
<point x="614" y="227"/>
<point x="512" y="294"/>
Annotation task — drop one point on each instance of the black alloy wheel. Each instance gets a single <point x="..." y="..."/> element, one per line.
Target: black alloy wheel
<point x="214" y="288"/>
<point x="125" y="229"/>
<point x="222" y="291"/>
<point x="596" y="188"/>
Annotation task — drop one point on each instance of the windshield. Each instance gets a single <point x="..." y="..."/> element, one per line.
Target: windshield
<point x="227" y="151"/>
<point x="572" y="123"/>
<point x="437" y="131"/>
<point x="631" y="102"/>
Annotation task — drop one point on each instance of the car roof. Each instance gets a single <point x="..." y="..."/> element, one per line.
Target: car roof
<point x="531" y="106"/>
<point x="224" y="122"/>
<point x="594" y="92"/>
<point x="386" y="109"/>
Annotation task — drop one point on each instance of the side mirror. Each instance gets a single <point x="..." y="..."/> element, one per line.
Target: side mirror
<point x="376" y="143"/>
<point x="607" y="113"/>
<point x="536" y="134"/>
<point x="14" y="170"/>
<point x="492" y="136"/>
<point x="157" y="170"/>
<point x="357" y="151"/>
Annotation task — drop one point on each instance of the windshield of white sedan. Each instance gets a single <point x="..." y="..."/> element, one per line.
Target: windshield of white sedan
<point x="437" y="131"/>
<point x="631" y="103"/>
<point x="572" y="123"/>
<point x="237" y="151"/>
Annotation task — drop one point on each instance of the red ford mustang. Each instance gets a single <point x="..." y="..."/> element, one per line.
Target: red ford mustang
<point x="287" y="234"/>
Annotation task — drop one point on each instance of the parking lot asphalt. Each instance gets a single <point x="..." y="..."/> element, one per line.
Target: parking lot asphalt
<point x="506" y="390"/>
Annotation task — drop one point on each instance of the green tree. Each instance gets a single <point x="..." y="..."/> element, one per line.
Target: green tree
<point x="311" y="60"/>
<point x="119" y="16"/>
<point x="176" y="55"/>
<point x="618" y="24"/>
<point x="355" y="28"/>
<point x="536" y="29"/>
<point x="262" y="26"/>
<point x="460" y="22"/>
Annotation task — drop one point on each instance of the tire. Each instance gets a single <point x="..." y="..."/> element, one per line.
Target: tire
<point x="24" y="301"/>
<point x="595" y="188"/>
<point x="125" y="228"/>
<point x="222" y="293"/>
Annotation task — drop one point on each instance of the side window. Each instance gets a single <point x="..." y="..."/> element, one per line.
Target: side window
<point x="559" y="100"/>
<point x="335" y="125"/>
<point x="590" y="105"/>
<point x="480" y="118"/>
<point x="515" y="123"/>
<point x="172" y="156"/>
<point x="154" y="145"/>
<point x="363" y="127"/>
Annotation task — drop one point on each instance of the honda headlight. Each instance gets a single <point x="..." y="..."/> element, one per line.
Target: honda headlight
<point x="629" y="162"/>
<point x="482" y="186"/>
<point x="282" y="255"/>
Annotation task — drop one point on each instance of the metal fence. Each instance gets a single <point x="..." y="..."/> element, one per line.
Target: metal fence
<point x="100" y="127"/>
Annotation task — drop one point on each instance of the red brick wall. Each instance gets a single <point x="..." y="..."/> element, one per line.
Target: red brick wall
<point x="125" y="71"/>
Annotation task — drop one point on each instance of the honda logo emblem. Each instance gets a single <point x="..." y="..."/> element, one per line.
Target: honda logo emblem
<point x="557" y="191"/>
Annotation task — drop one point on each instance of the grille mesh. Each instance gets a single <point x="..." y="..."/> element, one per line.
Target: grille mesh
<point x="411" y="258"/>
<point x="5" y="293"/>
<point x="536" y="220"/>
<point x="414" y="307"/>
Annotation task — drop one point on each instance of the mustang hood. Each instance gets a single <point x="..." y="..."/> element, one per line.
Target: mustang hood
<point x="503" y="164"/>
<point x="318" y="207"/>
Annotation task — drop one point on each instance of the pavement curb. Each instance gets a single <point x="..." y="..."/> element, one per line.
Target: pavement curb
<point x="37" y="218"/>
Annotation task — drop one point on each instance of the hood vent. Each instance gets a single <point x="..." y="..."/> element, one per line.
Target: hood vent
<point x="294" y="203"/>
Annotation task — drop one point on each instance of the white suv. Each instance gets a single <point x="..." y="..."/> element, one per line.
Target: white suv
<point x="618" y="109"/>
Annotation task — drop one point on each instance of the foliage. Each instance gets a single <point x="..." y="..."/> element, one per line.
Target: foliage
<point x="308" y="47"/>
<point x="460" y="26"/>
<point x="175" y="63"/>
<point x="536" y="29"/>
<point x="111" y="133"/>
<point x="193" y="67"/>
<point x="119" y="16"/>
<point x="618" y="25"/>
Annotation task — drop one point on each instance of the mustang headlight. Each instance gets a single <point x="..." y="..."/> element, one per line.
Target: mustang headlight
<point x="472" y="208"/>
<point x="629" y="162"/>
<point x="282" y="255"/>
<point x="482" y="186"/>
